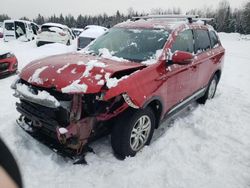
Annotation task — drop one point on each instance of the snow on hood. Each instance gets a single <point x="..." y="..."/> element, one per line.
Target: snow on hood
<point x="76" y="72"/>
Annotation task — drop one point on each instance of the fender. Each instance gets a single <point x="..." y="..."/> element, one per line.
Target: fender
<point x="137" y="86"/>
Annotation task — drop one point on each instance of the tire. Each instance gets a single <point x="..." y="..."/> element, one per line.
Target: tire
<point x="68" y="43"/>
<point x="127" y="135"/>
<point x="211" y="90"/>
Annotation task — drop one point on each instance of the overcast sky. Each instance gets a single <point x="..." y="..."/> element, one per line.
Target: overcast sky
<point x="31" y="8"/>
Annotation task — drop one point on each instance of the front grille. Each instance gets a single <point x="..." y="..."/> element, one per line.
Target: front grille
<point x="4" y="66"/>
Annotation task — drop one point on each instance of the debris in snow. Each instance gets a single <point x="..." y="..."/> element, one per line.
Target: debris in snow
<point x="44" y="96"/>
<point x="59" y="71"/>
<point x="98" y="76"/>
<point x="35" y="77"/>
<point x="75" y="87"/>
<point x="63" y="130"/>
<point x="105" y="53"/>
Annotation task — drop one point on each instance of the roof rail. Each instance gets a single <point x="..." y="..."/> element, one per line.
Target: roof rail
<point x="190" y="18"/>
<point x="174" y="16"/>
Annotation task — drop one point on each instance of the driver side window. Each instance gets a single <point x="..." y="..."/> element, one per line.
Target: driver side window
<point x="184" y="42"/>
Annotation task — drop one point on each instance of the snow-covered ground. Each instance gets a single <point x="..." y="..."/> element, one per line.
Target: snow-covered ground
<point x="205" y="146"/>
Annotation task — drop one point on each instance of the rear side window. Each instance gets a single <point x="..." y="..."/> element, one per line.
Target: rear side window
<point x="9" y="26"/>
<point x="202" y="41"/>
<point x="184" y="42"/>
<point x="214" y="39"/>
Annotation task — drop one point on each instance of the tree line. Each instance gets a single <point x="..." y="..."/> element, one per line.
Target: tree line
<point x="226" y="19"/>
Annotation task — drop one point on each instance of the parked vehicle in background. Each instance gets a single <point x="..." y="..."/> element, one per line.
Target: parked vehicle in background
<point x="1" y="32"/>
<point x="1" y="29"/>
<point x="125" y="83"/>
<point x="18" y="29"/>
<point x="54" y="33"/>
<point x="77" y="31"/>
<point x="8" y="63"/>
<point x="90" y="33"/>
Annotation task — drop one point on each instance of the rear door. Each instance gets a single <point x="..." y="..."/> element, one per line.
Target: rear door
<point x="203" y="63"/>
<point x="9" y="31"/>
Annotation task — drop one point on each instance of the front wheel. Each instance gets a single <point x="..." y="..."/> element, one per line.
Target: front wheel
<point x="132" y="131"/>
<point x="210" y="92"/>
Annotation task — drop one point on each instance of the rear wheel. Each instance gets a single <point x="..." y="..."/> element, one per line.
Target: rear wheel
<point x="211" y="90"/>
<point x="132" y="131"/>
<point x="68" y="43"/>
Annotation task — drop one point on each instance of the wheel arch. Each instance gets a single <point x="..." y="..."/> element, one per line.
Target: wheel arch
<point x="218" y="74"/>
<point x="156" y="104"/>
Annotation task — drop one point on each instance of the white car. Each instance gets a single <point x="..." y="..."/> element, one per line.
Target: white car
<point x="54" y="33"/>
<point x="19" y="29"/>
<point x="90" y="33"/>
<point x="77" y="31"/>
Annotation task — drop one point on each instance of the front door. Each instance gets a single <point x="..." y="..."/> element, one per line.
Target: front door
<point x="180" y="79"/>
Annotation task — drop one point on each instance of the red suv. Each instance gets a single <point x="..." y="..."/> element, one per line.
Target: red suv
<point x="125" y="83"/>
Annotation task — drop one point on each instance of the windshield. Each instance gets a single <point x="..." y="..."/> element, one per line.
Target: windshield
<point x="131" y="44"/>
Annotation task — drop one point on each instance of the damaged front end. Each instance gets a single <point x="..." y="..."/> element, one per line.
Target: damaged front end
<point x="65" y="122"/>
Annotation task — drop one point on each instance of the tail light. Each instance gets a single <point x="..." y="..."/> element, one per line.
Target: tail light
<point x="62" y="34"/>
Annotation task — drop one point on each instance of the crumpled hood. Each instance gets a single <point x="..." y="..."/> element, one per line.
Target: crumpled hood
<point x="75" y="72"/>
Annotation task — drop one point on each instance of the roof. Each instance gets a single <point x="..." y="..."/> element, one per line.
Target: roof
<point x="13" y="20"/>
<point x="93" y="31"/>
<point x="160" y="23"/>
<point x="55" y="25"/>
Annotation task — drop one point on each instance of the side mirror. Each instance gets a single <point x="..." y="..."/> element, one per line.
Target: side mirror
<point x="182" y="58"/>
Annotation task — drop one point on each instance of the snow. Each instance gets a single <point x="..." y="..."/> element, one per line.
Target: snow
<point x="204" y="146"/>
<point x="56" y="29"/>
<point x="55" y="25"/>
<point x="59" y="71"/>
<point x="113" y="82"/>
<point x="93" y="31"/>
<point x="90" y="65"/>
<point x="100" y="82"/>
<point x="75" y="87"/>
<point x="105" y="53"/>
<point x="153" y="59"/>
<point x="35" y="77"/>
<point x="41" y="95"/>
<point x="98" y="76"/>
<point x="62" y="130"/>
